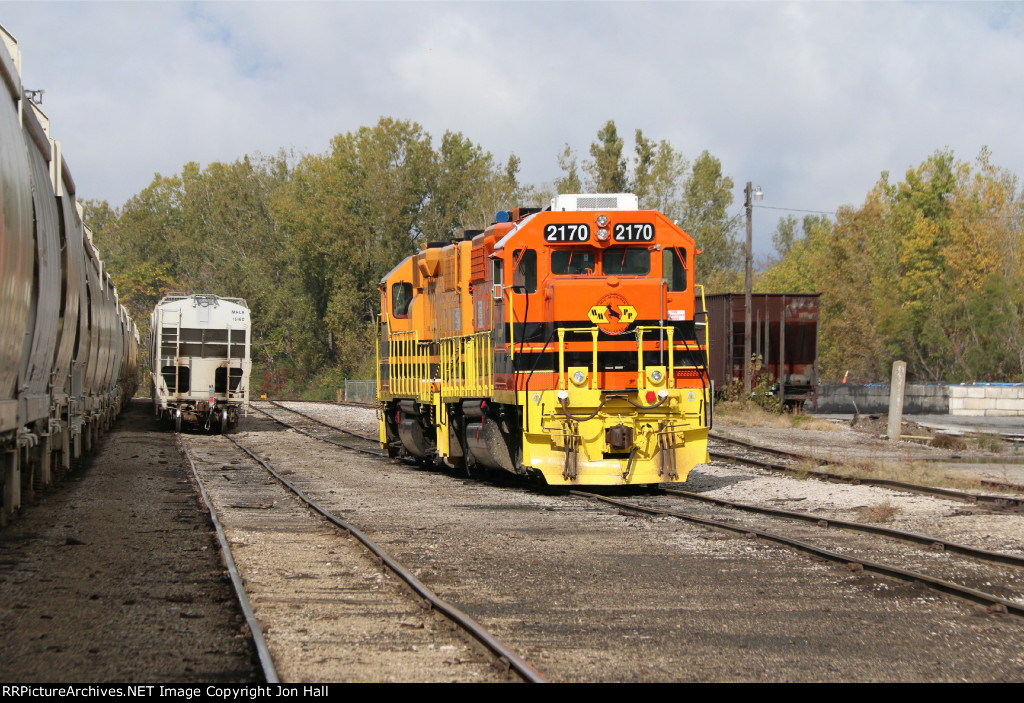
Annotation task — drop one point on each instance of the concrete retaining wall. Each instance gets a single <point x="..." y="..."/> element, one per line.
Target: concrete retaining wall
<point x="987" y="401"/>
<point x="996" y="400"/>
<point x="917" y="399"/>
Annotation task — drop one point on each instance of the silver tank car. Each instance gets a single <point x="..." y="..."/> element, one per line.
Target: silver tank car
<point x="68" y="349"/>
<point x="199" y="351"/>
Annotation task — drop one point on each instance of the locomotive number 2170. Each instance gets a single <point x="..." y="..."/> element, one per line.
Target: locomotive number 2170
<point x="634" y="232"/>
<point x="566" y="233"/>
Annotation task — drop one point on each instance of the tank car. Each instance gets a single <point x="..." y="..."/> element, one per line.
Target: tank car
<point x="562" y="344"/>
<point x="68" y="349"/>
<point x="199" y="350"/>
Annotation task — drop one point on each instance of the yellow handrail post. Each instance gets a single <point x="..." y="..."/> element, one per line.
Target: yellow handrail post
<point x="641" y="377"/>
<point x="671" y="359"/>
<point x="561" y="358"/>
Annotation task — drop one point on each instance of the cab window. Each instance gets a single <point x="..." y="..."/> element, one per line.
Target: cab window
<point x="572" y="262"/>
<point x="674" y="268"/>
<point x="626" y="261"/>
<point x="401" y="296"/>
<point x="526" y="270"/>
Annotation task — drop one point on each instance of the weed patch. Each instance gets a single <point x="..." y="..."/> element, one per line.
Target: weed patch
<point x="882" y="512"/>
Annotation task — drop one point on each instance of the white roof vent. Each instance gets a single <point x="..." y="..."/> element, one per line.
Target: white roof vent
<point x="595" y="201"/>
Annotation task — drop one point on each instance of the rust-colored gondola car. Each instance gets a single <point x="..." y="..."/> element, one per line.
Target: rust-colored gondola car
<point x="784" y="341"/>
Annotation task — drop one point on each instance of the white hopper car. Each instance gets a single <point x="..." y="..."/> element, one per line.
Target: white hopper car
<point x="199" y="355"/>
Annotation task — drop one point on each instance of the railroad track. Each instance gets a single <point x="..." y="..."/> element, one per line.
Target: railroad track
<point x="993" y="500"/>
<point x="255" y="631"/>
<point x="933" y="545"/>
<point x="939" y="555"/>
<point x="764" y="565"/>
<point x="318" y="429"/>
<point x="315" y="427"/>
<point x="313" y="588"/>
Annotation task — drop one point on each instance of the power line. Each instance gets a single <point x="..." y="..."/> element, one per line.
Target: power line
<point x="980" y="218"/>
<point x="793" y="209"/>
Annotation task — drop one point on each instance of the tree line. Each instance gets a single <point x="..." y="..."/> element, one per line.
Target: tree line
<point x="929" y="270"/>
<point x="305" y="240"/>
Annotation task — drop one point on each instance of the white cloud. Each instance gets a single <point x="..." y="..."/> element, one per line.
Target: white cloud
<point x="811" y="100"/>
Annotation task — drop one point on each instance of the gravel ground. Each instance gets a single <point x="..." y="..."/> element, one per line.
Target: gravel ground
<point x="1002" y="461"/>
<point x="328" y="610"/>
<point x="588" y="594"/>
<point x="116" y="574"/>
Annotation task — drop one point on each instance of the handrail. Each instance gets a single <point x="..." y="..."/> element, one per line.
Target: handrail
<point x="408" y="363"/>
<point x="641" y="376"/>
<point x="707" y="338"/>
<point x="561" y="354"/>
<point x="376" y="354"/>
<point x="467" y="365"/>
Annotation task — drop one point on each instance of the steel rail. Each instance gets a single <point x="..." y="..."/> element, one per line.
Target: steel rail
<point x="978" y="553"/>
<point x="877" y="567"/>
<point x="322" y="439"/>
<point x="914" y="537"/>
<point x="269" y="672"/>
<point x="503" y="653"/>
<point x="325" y="424"/>
<point x="882" y="482"/>
<point x="823" y="462"/>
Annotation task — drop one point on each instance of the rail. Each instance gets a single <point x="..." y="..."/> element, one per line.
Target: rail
<point x="641" y="376"/>
<point x="966" y="592"/>
<point x="505" y="655"/>
<point x="562" y="373"/>
<point x="999" y="500"/>
<point x="262" y="651"/>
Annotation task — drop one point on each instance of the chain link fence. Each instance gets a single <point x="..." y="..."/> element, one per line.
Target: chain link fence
<point x="360" y="392"/>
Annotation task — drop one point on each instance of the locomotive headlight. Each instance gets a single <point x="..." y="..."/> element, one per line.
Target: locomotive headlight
<point x="656" y="376"/>
<point x="602" y="234"/>
<point x="579" y="377"/>
<point x="602" y="221"/>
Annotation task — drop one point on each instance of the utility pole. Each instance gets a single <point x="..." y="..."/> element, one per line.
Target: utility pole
<point x="750" y="196"/>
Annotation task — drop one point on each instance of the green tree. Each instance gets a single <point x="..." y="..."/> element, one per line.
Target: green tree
<point x="706" y="198"/>
<point x="660" y="177"/>
<point x="608" y="170"/>
<point x="642" y="177"/>
<point x="569" y="182"/>
<point x="352" y="214"/>
<point x="926" y="270"/>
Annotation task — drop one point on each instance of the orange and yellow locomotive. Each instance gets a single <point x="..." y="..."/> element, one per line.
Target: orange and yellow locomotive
<point x="560" y="343"/>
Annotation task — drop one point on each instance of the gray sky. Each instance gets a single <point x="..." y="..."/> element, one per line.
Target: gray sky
<point x="811" y="100"/>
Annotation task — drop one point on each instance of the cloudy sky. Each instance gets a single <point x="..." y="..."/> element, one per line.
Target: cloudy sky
<point x="810" y="100"/>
